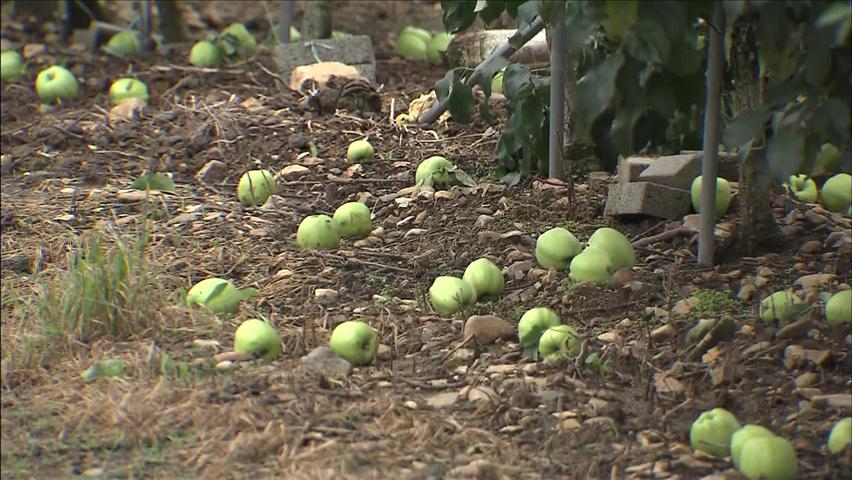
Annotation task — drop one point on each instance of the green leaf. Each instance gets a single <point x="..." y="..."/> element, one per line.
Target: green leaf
<point x="312" y="146"/>
<point x="487" y="74"/>
<point x="511" y="179"/>
<point x="492" y="10"/>
<point x="442" y="86"/>
<point x="817" y="63"/>
<point x="527" y="12"/>
<point x="745" y="127"/>
<point x="154" y="181"/>
<point x="620" y="17"/>
<point x="461" y="102"/>
<point x="596" y="88"/>
<point x="458" y="14"/>
<point x="648" y="42"/>
<point x="459" y="176"/>
<point x="515" y="79"/>
<point x="785" y="151"/>
<point x="247" y="292"/>
<point x="529" y="343"/>
<point x="839" y="16"/>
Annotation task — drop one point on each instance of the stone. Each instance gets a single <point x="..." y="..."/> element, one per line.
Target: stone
<point x="324" y="360"/>
<point x="354" y="50"/>
<point x="442" y="400"/>
<point x="317" y="74"/>
<point x="645" y="198"/>
<point x="629" y="168"/>
<point x="212" y="172"/>
<point x="293" y="172"/>
<point x="678" y="171"/>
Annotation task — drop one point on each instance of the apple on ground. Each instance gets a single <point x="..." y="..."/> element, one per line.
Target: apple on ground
<point x="828" y="158"/>
<point x="592" y="265"/>
<point x="723" y="195"/>
<point x="259" y="338"/>
<point x="360" y="150"/>
<point x="556" y="247"/>
<point x="711" y="432"/>
<point x="616" y="245"/>
<point x="803" y="188"/>
<point x="418" y="32"/>
<point x="743" y="435"/>
<point x="353" y="220"/>
<point x="781" y="305"/>
<point x="450" y="294"/>
<point x="11" y="65"/>
<point x="485" y="277"/>
<point x="218" y="295"/>
<point x="55" y="83"/>
<point x="838" y="309"/>
<point x="411" y="47"/>
<point x="837" y="193"/>
<point x="436" y="45"/>
<point x="205" y="54"/>
<point x="126" y="88"/>
<point x="840" y="436"/>
<point x="255" y="187"/>
<point x="434" y="167"/>
<point x="534" y="323"/>
<point x="123" y="43"/>
<point x="558" y="342"/>
<point x="768" y="458"/>
<point x="236" y="41"/>
<point x="318" y="231"/>
<point x="355" y="341"/>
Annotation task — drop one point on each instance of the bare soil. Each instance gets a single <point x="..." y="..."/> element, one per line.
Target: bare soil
<point x="63" y="173"/>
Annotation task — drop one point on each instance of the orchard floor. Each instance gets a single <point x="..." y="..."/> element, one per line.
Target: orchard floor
<point x="485" y="412"/>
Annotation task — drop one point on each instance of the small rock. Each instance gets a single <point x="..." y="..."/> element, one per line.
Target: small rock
<point x="518" y="270"/>
<point x="837" y="401"/>
<point x="501" y="369"/>
<point x="233" y="357"/>
<point x="128" y="110"/>
<point x="326" y="296"/>
<point x="610" y="337"/>
<point x="384" y="352"/>
<point x="806" y="379"/>
<point x="94" y="472"/>
<point x="812" y="246"/>
<point x="814" y="281"/>
<point x="324" y="360"/>
<point x="663" y="332"/>
<point x="820" y="358"/>
<point x="747" y="291"/>
<point x="293" y="172"/>
<point x="479" y="468"/>
<point x="794" y="357"/>
<point x="684" y="306"/>
<point x="760" y="281"/>
<point x="442" y="400"/>
<point x="225" y="365"/>
<point x="569" y="424"/>
<point x="446" y="194"/>
<point x="212" y="172"/>
<point x="483" y="220"/>
<point x="133" y="196"/>
<point x="664" y="384"/>
<point x="621" y="278"/>
<point x="487" y="328"/>
<point x="481" y="393"/>
<point x="765" y="272"/>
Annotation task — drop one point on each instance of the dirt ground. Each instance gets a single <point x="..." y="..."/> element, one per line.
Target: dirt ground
<point x="485" y="412"/>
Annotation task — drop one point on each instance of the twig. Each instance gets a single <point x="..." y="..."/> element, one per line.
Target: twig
<point x="662" y="237"/>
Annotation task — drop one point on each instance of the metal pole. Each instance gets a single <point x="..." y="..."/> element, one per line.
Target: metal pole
<point x="285" y="21"/>
<point x="558" y="57"/>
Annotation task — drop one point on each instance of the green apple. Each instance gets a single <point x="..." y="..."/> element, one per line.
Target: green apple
<point x="318" y="231"/>
<point x="592" y="265"/>
<point x="355" y="341"/>
<point x="711" y="432"/>
<point x="11" y="65"/>
<point x="616" y="245"/>
<point x="723" y="195"/>
<point x="205" y="54"/>
<point x="255" y="187"/>
<point x="560" y="341"/>
<point x="450" y="294"/>
<point x="780" y="306"/>
<point x="411" y="47"/>
<point x="838" y="309"/>
<point x="829" y="158"/>
<point x="218" y="295"/>
<point x="123" y="43"/>
<point x="360" y="150"/>
<point x="258" y="338"/>
<point x="418" y="32"/>
<point x="803" y="188"/>
<point x="837" y="193"/>
<point x="436" y="45"/>
<point x="555" y="248"/>
<point x="55" y="83"/>
<point x="436" y="167"/>
<point x="337" y="34"/>
<point x="743" y="435"/>
<point x="295" y="34"/>
<point x="840" y="436"/>
<point x="535" y="322"/>
<point x="126" y="88"/>
<point x="353" y="220"/>
<point x="768" y="458"/>
<point x="497" y="81"/>
<point x="485" y="277"/>
<point x="236" y="41"/>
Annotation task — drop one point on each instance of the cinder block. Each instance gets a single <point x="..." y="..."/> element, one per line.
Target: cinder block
<point x="678" y="171"/>
<point x="629" y="168"/>
<point x="354" y="50"/>
<point x="646" y="198"/>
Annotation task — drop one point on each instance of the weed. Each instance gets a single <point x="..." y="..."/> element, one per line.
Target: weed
<point x="715" y="303"/>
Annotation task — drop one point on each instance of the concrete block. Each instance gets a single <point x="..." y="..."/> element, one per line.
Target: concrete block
<point x="678" y="171"/>
<point x="629" y="168"/>
<point x="729" y="164"/>
<point x="646" y="198"/>
<point x="354" y="50"/>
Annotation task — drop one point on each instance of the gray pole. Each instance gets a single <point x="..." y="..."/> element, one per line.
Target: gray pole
<point x="710" y="163"/>
<point x="285" y="20"/>
<point x="558" y="57"/>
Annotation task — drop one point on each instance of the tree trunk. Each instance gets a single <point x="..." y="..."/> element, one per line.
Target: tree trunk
<point x="170" y="21"/>
<point x="757" y="223"/>
<point x="316" y="22"/>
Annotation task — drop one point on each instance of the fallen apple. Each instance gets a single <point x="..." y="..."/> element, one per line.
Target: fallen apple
<point x="259" y="338"/>
<point x="355" y="341"/>
<point x="828" y="157"/>
<point x="55" y="83"/>
<point x="418" y="32"/>
<point x="558" y="342"/>
<point x="743" y="435"/>
<point x="534" y="323"/>
<point x="410" y="47"/>
<point x="592" y="265"/>
<point x="360" y="150"/>
<point x="723" y="195"/>
<point x="205" y="54"/>
<point x="353" y="220"/>
<point x="236" y="41"/>
<point x="485" y="277"/>
<point x="838" y="309"/>
<point x="218" y="295"/>
<point x="435" y="167"/>
<point x="711" y="432"/>
<point x="255" y="187"/>
<point x="318" y="231"/>
<point x="803" y="188"/>
<point x="126" y="88"/>
<point x="436" y="45"/>
<point x="296" y="35"/>
<point x="616" y="245"/>
<point x="840" y="436"/>
<point x="555" y="248"/>
<point x="837" y="193"/>
<point x="123" y="43"/>
<point x="768" y="458"/>
<point x="497" y="81"/>
<point x="450" y="294"/>
<point x="781" y="306"/>
<point x="11" y="65"/>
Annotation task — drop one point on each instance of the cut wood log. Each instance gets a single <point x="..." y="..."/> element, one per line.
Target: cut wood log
<point x="472" y="48"/>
